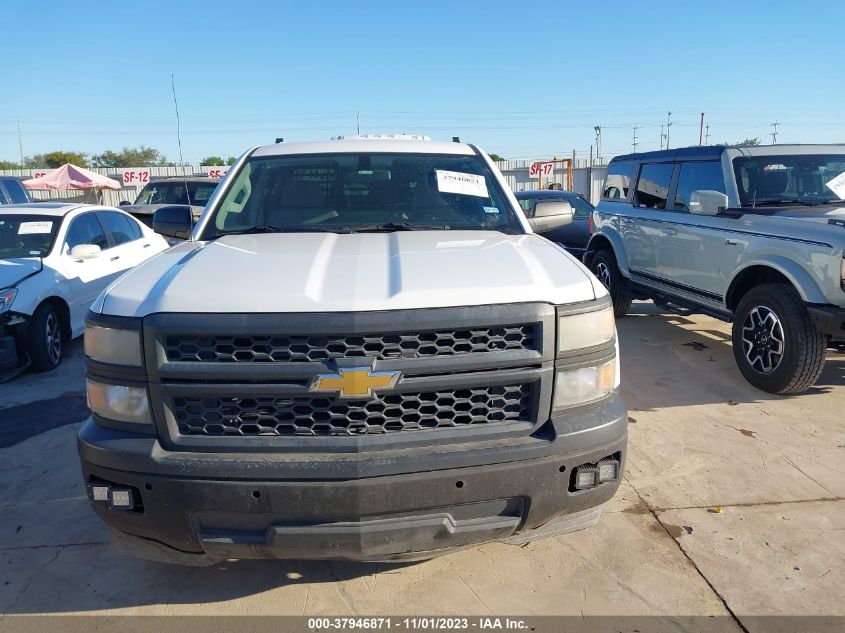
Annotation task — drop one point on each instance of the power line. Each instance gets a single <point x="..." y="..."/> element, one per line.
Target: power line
<point x="774" y="131"/>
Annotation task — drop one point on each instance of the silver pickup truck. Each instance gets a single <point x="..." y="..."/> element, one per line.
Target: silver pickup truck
<point x="753" y="235"/>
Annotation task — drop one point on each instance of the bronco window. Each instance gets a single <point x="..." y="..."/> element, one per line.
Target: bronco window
<point x="784" y="178"/>
<point x="696" y="177"/>
<point x="619" y="176"/>
<point x="355" y="192"/>
<point x="653" y="185"/>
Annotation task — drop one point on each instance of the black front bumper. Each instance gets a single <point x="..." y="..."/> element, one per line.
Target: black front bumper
<point x="200" y="508"/>
<point x="829" y="320"/>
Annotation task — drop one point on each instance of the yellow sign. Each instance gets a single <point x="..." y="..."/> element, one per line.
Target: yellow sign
<point x="355" y="382"/>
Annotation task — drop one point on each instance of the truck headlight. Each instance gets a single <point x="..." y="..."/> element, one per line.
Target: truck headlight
<point x="584" y="384"/>
<point x="584" y="330"/>
<point x="113" y="345"/>
<point x="119" y="402"/>
<point x="7" y="295"/>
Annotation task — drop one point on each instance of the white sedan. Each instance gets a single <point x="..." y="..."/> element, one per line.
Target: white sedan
<point x="55" y="258"/>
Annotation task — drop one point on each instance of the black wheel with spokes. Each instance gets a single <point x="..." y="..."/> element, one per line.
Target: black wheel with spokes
<point x="46" y="338"/>
<point x="776" y="345"/>
<point x="606" y="270"/>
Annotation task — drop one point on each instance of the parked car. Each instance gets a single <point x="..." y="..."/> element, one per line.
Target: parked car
<point x="573" y="237"/>
<point x="750" y="235"/>
<point x="362" y="352"/>
<point x="12" y="191"/>
<point x="194" y="191"/>
<point x="55" y="258"/>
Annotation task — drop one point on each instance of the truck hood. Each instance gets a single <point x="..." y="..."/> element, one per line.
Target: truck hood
<point x="813" y="214"/>
<point x="150" y="209"/>
<point x="13" y="270"/>
<point x="326" y="272"/>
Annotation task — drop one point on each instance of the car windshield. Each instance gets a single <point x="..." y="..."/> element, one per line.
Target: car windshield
<point x="363" y="192"/>
<point x="26" y="235"/>
<point x="176" y="192"/>
<point x="802" y="178"/>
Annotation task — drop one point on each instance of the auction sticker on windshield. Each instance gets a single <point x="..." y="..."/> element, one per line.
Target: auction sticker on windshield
<point x="837" y="185"/>
<point x="461" y="183"/>
<point x="30" y="228"/>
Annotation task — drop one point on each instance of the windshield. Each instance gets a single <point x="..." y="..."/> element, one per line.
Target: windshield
<point x="174" y="192"/>
<point x="363" y="192"/>
<point x="27" y="235"/>
<point x="801" y="178"/>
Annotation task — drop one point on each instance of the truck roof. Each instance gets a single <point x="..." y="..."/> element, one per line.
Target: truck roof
<point x="354" y="145"/>
<point x="714" y="152"/>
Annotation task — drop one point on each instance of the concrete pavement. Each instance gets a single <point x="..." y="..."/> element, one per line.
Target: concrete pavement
<point x="700" y="437"/>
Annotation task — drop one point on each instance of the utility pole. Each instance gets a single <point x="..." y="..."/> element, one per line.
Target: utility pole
<point x="597" y="128"/>
<point x="775" y="131"/>
<point x="668" y="125"/>
<point x="701" y="128"/>
<point x="707" y="134"/>
<point x="20" y="141"/>
<point x="661" y="136"/>
<point x="635" y="139"/>
<point x="358" y="121"/>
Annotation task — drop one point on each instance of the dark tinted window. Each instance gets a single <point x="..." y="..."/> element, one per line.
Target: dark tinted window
<point x="583" y="209"/>
<point x="136" y="229"/>
<point x="118" y="227"/>
<point x="619" y="176"/>
<point x="176" y="192"/>
<point x="653" y="185"/>
<point x="86" y="230"/>
<point x="698" y="176"/>
<point x="16" y="192"/>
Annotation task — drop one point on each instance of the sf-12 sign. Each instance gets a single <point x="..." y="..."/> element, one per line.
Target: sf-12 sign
<point x="217" y="172"/>
<point x="538" y="169"/>
<point x="135" y="177"/>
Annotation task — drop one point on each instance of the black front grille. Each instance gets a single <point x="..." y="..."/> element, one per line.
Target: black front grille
<point x="259" y="416"/>
<point x="271" y="348"/>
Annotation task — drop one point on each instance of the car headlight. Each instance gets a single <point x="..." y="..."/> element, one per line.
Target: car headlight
<point x="113" y="345"/>
<point x="584" y="384"/>
<point x="119" y="402"/>
<point x="585" y="330"/>
<point x="7" y="295"/>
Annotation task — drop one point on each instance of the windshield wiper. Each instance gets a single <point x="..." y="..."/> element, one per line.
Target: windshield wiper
<point x="269" y="228"/>
<point x="777" y="201"/>
<point x="389" y="227"/>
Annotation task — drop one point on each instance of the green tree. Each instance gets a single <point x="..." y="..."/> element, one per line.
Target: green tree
<point x="748" y="141"/>
<point x="8" y="164"/>
<point x="130" y="157"/>
<point x="496" y="157"/>
<point x="56" y="159"/>
<point x="231" y="160"/>
<point x="216" y="161"/>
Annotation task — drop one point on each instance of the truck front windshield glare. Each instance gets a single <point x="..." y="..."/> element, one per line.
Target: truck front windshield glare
<point x="363" y="192"/>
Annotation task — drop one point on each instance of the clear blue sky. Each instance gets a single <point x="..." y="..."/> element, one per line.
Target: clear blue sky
<point x="522" y="79"/>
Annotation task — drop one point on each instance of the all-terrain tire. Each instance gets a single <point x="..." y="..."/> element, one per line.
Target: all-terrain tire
<point x="776" y="312"/>
<point x="605" y="268"/>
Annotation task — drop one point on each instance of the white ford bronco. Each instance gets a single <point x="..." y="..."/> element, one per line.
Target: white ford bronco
<point x="361" y="352"/>
<point x="753" y="235"/>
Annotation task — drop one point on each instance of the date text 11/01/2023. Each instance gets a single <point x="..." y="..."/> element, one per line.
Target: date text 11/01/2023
<point x="416" y="623"/>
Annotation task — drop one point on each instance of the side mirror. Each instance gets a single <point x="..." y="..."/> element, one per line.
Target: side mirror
<point x="85" y="251"/>
<point x="124" y="203"/>
<point x="174" y="221"/>
<point x="551" y="214"/>
<point x="707" y="202"/>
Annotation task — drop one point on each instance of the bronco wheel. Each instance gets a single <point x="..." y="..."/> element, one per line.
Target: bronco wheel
<point x="775" y="343"/>
<point x="45" y="338"/>
<point x="607" y="272"/>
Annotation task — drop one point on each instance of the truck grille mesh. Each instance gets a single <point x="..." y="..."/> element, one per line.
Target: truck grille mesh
<point x="270" y="348"/>
<point x="271" y="416"/>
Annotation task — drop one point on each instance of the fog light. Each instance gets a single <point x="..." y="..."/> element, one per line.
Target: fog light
<point x="121" y="499"/>
<point x="100" y="493"/>
<point x="586" y="477"/>
<point x="608" y="471"/>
